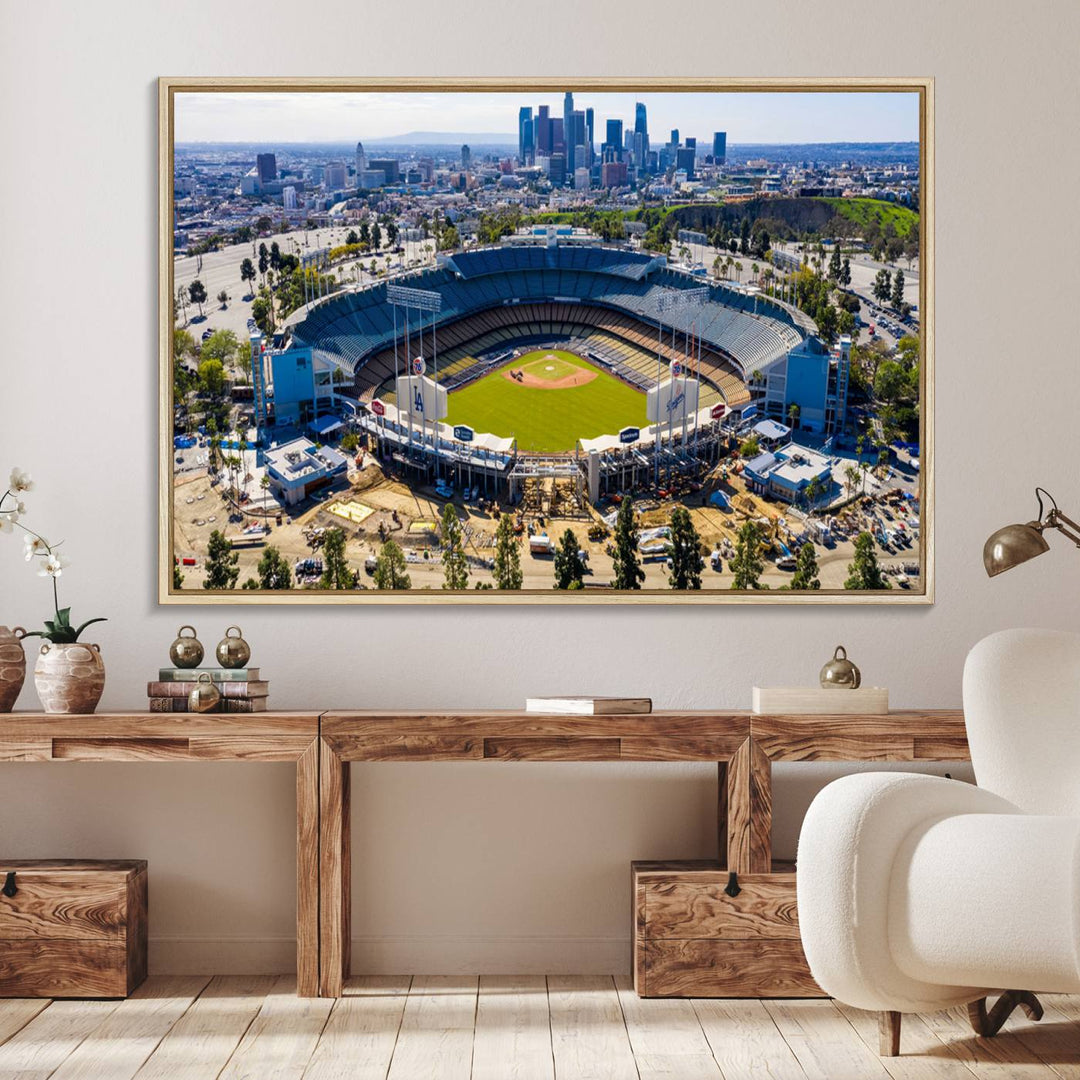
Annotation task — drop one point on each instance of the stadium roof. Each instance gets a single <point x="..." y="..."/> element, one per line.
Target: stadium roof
<point x="348" y="327"/>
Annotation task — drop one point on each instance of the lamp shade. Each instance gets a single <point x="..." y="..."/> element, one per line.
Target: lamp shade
<point x="1012" y="545"/>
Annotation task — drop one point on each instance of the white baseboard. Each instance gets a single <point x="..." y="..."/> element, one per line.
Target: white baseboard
<point x="431" y="954"/>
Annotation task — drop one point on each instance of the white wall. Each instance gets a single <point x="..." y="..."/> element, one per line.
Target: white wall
<point x="494" y="867"/>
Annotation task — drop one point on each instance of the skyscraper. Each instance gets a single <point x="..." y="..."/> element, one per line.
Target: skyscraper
<point x="558" y="137"/>
<point x="641" y="127"/>
<point x="524" y="118"/>
<point x="543" y="131"/>
<point x="590" y="144"/>
<point x="719" y="147"/>
<point x="674" y="136"/>
<point x="530" y="143"/>
<point x="684" y="160"/>
<point x="466" y="158"/>
<point x="334" y="177"/>
<point x="568" y="129"/>
<point x="266" y="164"/>
<point x="577" y="137"/>
<point x="361" y="161"/>
<point x="614" y="137"/>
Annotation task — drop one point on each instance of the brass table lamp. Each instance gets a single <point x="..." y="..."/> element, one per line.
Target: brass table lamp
<point x="1014" y="544"/>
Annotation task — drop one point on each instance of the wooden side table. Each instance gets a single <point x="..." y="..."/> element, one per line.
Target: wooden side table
<point x="259" y="737"/>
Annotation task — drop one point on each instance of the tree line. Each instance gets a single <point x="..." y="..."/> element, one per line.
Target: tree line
<point x="685" y="560"/>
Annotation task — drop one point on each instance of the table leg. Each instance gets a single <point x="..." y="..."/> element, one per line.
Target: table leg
<point x="722" y="813"/>
<point x="307" y="871"/>
<point x="749" y="810"/>
<point x="334" y="872"/>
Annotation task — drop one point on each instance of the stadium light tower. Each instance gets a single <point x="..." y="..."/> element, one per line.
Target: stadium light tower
<point x="419" y="300"/>
<point x="670" y="300"/>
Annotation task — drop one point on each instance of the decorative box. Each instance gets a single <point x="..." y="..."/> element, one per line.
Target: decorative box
<point x="700" y="931"/>
<point x="72" y="928"/>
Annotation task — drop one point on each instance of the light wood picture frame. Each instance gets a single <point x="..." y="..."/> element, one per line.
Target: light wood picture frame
<point x="620" y="319"/>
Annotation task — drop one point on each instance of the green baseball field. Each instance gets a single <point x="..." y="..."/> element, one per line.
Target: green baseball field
<point x="547" y="400"/>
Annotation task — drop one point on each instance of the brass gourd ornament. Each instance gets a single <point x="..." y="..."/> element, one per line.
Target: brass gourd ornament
<point x="186" y="652"/>
<point x="204" y="695"/>
<point x="840" y="673"/>
<point x="233" y="652"/>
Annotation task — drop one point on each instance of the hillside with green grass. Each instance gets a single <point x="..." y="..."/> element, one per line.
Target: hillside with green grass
<point x="861" y="212"/>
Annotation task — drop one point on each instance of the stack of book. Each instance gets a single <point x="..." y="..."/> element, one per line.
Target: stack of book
<point x="241" y="689"/>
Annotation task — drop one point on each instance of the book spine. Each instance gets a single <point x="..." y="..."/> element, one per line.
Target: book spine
<point x="216" y="674"/>
<point x="225" y="689"/>
<point x="240" y="705"/>
<point x="169" y="704"/>
<point x="226" y="705"/>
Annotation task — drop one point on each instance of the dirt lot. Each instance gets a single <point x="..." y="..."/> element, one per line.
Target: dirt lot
<point x="407" y="515"/>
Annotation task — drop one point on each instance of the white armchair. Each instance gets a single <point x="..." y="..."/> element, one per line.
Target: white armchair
<point x="918" y="893"/>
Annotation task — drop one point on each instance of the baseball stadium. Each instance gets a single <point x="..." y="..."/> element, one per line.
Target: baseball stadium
<point x="598" y="364"/>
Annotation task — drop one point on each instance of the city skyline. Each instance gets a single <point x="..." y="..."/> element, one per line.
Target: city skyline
<point x="299" y="117"/>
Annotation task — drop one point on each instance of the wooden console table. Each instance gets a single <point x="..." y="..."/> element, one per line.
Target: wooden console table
<point x="260" y="737"/>
<point x="323" y="745"/>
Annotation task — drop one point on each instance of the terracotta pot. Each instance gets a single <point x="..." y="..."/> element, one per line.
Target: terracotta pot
<point x="12" y="666"/>
<point x="69" y="678"/>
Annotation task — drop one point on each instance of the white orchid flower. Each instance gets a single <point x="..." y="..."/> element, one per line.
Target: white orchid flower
<point x="34" y="545"/>
<point x="53" y="566"/>
<point x="20" y="481"/>
<point x="7" y="520"/>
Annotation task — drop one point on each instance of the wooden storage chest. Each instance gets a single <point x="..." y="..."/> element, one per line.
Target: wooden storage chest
<point x="71" y="928"/>
<point x="693" y="939"/>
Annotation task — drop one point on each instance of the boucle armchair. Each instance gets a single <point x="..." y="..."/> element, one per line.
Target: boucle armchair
<point x="919" y="893"/>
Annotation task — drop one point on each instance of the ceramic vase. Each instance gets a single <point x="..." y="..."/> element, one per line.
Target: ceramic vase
<point x="12" y="666"/>
<point x="69" y="678"/>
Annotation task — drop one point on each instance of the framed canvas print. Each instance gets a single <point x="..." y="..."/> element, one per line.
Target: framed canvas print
<point x="521" y="341"/>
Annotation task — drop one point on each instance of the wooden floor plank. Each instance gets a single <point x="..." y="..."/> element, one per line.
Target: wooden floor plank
<point x="588" y="1034"/>
<point x="1004" y="1057"/>
<point x="436" y="1037"/>
<point x="1056" y="1038"/>
<point x="358" y="1041"/>
<point x="745" y="1042"/>
<point x="824" y="1043"/>
<point x="513" y="1029"/>
<point x="204" y="1038"/>
<point x="16" y="1013"/>
<point x="117" y="1048"/>
<point x="281" y="1039"/>
<point x="665" y="1036"/>
<point x="41" y="1047"/>
<point x="923" y="1056"/>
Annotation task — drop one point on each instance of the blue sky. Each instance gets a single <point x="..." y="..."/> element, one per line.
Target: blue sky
<point x="747" y="117"/>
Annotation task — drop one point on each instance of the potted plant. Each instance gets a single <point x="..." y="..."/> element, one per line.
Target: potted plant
<point x="69" y="674"/>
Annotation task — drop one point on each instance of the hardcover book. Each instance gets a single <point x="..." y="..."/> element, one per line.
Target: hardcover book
<point x="226" y="689"/>
<point x="180" y="674"/>
<point x="227" y="705"/>
<point x="588" y="706"/>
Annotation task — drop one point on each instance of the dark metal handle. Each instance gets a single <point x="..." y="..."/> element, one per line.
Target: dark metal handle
<point x="732" y="887"/>
<point x="9" y="884"/>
